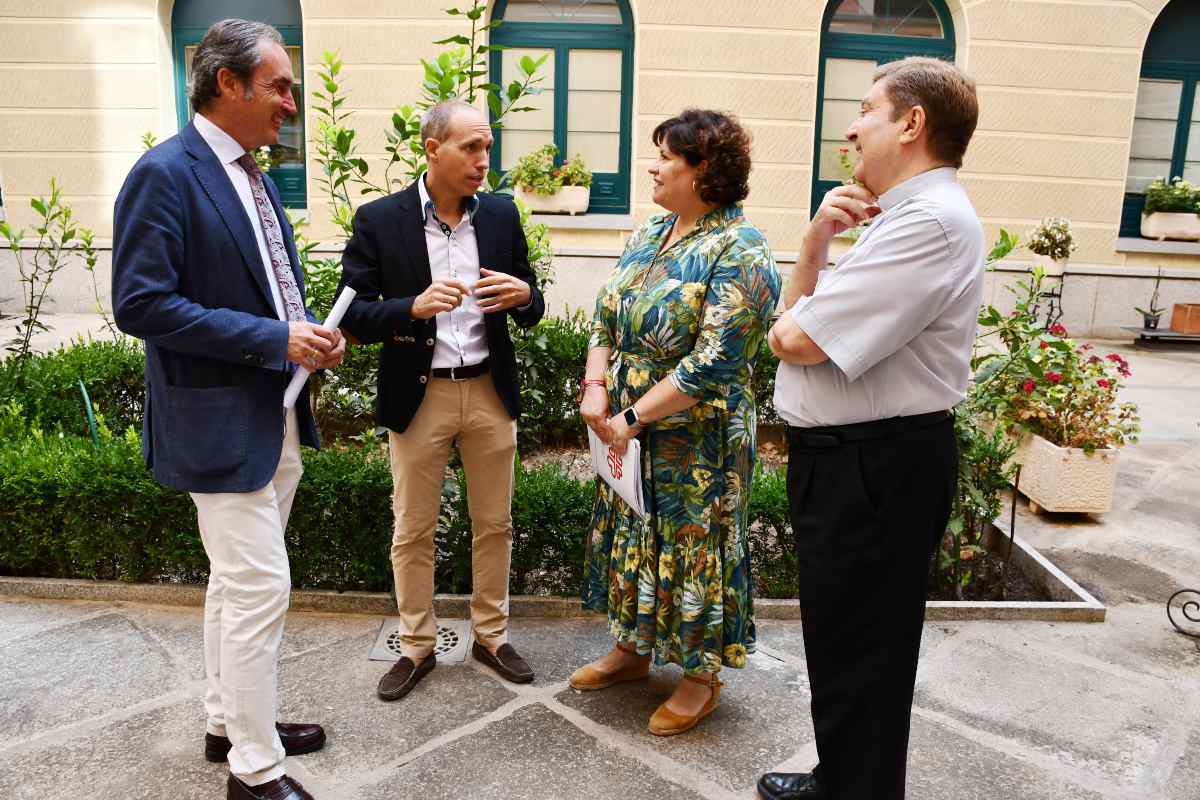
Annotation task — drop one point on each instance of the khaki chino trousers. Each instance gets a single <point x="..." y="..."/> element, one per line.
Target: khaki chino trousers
<point x="467" y="413"/>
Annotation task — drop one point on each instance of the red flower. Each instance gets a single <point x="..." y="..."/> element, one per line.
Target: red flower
<point x="1028" y="386"/>
<point x="1124" y="372"/>
<point x="1053" y="377"/>
<point x="1104" y="384"/>
<point x="1057" y="329"/>
<point x="1094" y="360"/>
<point x="843" y="149"/>
<point x="1114" y="357"/>
<point x="1043" y="345"/>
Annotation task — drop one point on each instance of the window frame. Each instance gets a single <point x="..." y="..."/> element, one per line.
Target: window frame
<point x="563" y="37"/>
<point x="881" y="48"/>
<point x="186" y="36"/>
<point x="1163" y="69"/>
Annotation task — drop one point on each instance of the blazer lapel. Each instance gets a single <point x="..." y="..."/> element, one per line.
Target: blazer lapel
<point x="485" y="234"/>
<point x="211" y="175"/>
<point x="412" y="231"/>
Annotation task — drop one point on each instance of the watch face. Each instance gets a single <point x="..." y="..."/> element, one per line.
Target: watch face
<point x="630" y="417"/>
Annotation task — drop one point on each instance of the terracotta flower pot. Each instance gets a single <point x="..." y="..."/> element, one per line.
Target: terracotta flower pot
<point x="567" y="200"/>
<point x="1066" y="478"/>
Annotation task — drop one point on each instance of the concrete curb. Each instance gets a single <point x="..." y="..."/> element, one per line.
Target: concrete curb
<point x="1072" y="602"/>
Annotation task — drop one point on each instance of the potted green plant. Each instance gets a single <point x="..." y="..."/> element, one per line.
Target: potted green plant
<point x="1172" y="211"/>
<point x="546" y="188"/>
<point x="1059" y="401"/>
<point x="1052" y="244"/>
<point x="1150" y="316"/>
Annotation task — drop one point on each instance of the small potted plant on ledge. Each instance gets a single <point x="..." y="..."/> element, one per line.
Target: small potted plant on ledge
<point x="1150" y="316"/>
<point x="1052" y="244"/>
<point x="1059" y="401"/>
<point x="1172" y="211"/>
<point x="545" y="188"/>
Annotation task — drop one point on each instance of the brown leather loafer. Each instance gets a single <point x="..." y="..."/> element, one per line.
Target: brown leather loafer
<point x="297" y="738"/>
<point x="401" y="678"/>
<point x="282" y="788"/>
<point x="505" y="661"/>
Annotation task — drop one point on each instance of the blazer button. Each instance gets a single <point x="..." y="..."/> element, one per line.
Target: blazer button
<point x="422" y="379"/>
<point x="429" y="342"/>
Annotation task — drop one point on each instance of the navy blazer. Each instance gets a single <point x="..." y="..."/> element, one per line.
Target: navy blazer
<point x="386" y="261"/>
<point x="188" y="278"/>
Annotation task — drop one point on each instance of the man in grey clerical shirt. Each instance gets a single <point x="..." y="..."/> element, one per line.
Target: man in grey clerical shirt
<point x="874" y="354"/>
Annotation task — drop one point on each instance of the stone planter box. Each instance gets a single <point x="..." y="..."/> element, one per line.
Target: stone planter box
<point x="1171" y="225"/>
<point x="1065" y="478"/>
<point x="567" y="200"/>
<point x="1053" y="267"/>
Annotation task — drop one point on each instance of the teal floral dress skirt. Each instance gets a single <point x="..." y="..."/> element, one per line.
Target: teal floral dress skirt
<point x="678" y="584"/>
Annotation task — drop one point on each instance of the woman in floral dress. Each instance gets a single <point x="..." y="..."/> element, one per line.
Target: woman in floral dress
<point x="676" y="333"/>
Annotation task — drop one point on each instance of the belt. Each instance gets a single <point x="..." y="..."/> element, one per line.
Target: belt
<point x="838" y="435"/>
<point x="462" y="373"/>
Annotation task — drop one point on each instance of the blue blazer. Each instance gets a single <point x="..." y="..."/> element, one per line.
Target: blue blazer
<point x="189" y="280"/>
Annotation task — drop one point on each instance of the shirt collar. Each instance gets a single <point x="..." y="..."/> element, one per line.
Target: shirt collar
<point x="427" y="201"/>
<point x="915" y="185"/>
<point x="223" y="145"/>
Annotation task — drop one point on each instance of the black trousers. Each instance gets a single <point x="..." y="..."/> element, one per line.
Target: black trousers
<point x="869" y="504"/>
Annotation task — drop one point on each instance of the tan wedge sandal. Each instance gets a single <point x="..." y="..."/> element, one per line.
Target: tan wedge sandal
<point x="588" y="679"/>
<point x="666" y="722"/>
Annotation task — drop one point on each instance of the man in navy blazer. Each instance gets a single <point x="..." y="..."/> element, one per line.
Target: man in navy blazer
<point x="205" y="270"/>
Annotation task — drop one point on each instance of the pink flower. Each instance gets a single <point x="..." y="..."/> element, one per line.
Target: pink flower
<point x="1094" y="360"/>
<point x="1028" y="386"/>
<point x="843" y="149"/>
<point x="1057" y="329"/>
<point x="1053" y="377"/>
<point x="1104" y="383"/>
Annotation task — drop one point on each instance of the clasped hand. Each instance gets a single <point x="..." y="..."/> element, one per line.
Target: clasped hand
<point x="494" y="291"/>
<point x="313" y="347"/>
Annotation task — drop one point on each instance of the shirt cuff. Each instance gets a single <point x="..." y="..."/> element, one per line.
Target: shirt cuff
<point x="845" y="357"/>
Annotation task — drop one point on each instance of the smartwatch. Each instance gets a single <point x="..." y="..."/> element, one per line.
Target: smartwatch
<point x="631" y="417"/>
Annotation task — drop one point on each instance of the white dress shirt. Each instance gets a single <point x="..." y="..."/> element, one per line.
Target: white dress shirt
<point x="454" y="255"/>
<point x="228" y="152"/>
<point x="897" y="314"/>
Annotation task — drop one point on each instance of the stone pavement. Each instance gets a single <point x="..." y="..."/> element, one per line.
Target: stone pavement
<point x="104" y="699"/>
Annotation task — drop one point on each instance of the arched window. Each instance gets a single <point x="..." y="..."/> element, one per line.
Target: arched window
<point x="586" y="105"/>
<point x="191" y="18"/>
<point x="1166" y="124"/>
<point x="856" y="37"/>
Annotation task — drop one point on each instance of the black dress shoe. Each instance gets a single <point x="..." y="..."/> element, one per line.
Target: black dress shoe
<point x="282" y="788"/>
<point x="790" y="786"/>
<point x="505" y="661"/>
<point x="297" y="738"/>
<point x="401" y="678"/>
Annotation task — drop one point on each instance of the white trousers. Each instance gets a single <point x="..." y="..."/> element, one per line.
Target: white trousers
<point x="248" y="590"/>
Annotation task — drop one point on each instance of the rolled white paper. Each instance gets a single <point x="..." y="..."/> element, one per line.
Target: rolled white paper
<point x="332" y="321"/>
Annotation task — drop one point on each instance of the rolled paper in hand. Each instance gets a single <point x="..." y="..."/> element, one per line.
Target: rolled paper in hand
<point x="331" y="322"/>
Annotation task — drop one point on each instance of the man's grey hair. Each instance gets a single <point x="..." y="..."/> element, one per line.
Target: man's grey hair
<point x="234" y="45"/>
<point x="435" y="122"/>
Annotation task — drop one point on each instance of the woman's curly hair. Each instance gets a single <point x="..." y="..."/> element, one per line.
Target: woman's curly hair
<point x="718" y="145"/>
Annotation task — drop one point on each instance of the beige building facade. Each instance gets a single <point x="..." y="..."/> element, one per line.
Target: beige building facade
<point x="1068" y="120"/>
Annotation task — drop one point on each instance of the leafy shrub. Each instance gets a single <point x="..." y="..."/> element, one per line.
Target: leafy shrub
<point x="1177" y="196"/>
<point x="772" y="546"/>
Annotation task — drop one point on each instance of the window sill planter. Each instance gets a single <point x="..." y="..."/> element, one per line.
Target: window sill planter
<point x="1053" y="267"/>
<point x="1066" y="478"/>
<point x="1171" y="225"/>
<point x="567" y="200"/>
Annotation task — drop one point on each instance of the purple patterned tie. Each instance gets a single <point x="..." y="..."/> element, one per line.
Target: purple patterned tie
<point x="280" y="263"/>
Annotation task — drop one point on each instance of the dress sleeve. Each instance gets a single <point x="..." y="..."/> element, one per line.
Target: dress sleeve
<point x="741" y="296"/>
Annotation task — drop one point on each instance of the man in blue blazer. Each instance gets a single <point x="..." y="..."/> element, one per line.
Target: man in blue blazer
<point x="205" y="270"/>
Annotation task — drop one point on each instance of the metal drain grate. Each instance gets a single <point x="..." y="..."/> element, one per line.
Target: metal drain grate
<point x="453" y="641"/>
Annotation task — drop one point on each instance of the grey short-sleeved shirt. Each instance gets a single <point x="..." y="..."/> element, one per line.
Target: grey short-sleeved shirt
<point x="896" y="315"/>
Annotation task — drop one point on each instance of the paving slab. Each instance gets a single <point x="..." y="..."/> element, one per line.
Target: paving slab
<point x="943" y="765"/>
<point x="762" y="720"/>
<point x="335" y="686"/>
<point x="22" y="617"/>
<point x="1184" y="781"/>
<point x="534" y="754"/>
<point x="555" y="648"/>
<point x="79" y="670"/>
<point x="1089" y="716"/>
<point x="152" y="755"/>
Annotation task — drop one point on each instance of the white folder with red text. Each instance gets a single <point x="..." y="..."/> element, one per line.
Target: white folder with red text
<point x="624" y="475"/>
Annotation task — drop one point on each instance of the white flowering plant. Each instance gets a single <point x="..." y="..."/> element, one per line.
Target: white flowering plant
<point x="1175" y="196"/>
<point x="1052" y="238"/>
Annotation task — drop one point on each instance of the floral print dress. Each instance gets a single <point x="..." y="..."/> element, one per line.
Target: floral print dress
<point x="678" y="584"/>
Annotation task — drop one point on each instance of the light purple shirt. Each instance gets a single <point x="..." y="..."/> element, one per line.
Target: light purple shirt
<point x="897" y="314"/>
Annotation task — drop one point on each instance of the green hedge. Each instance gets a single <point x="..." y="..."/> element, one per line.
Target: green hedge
<point x="70" y="509"/>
